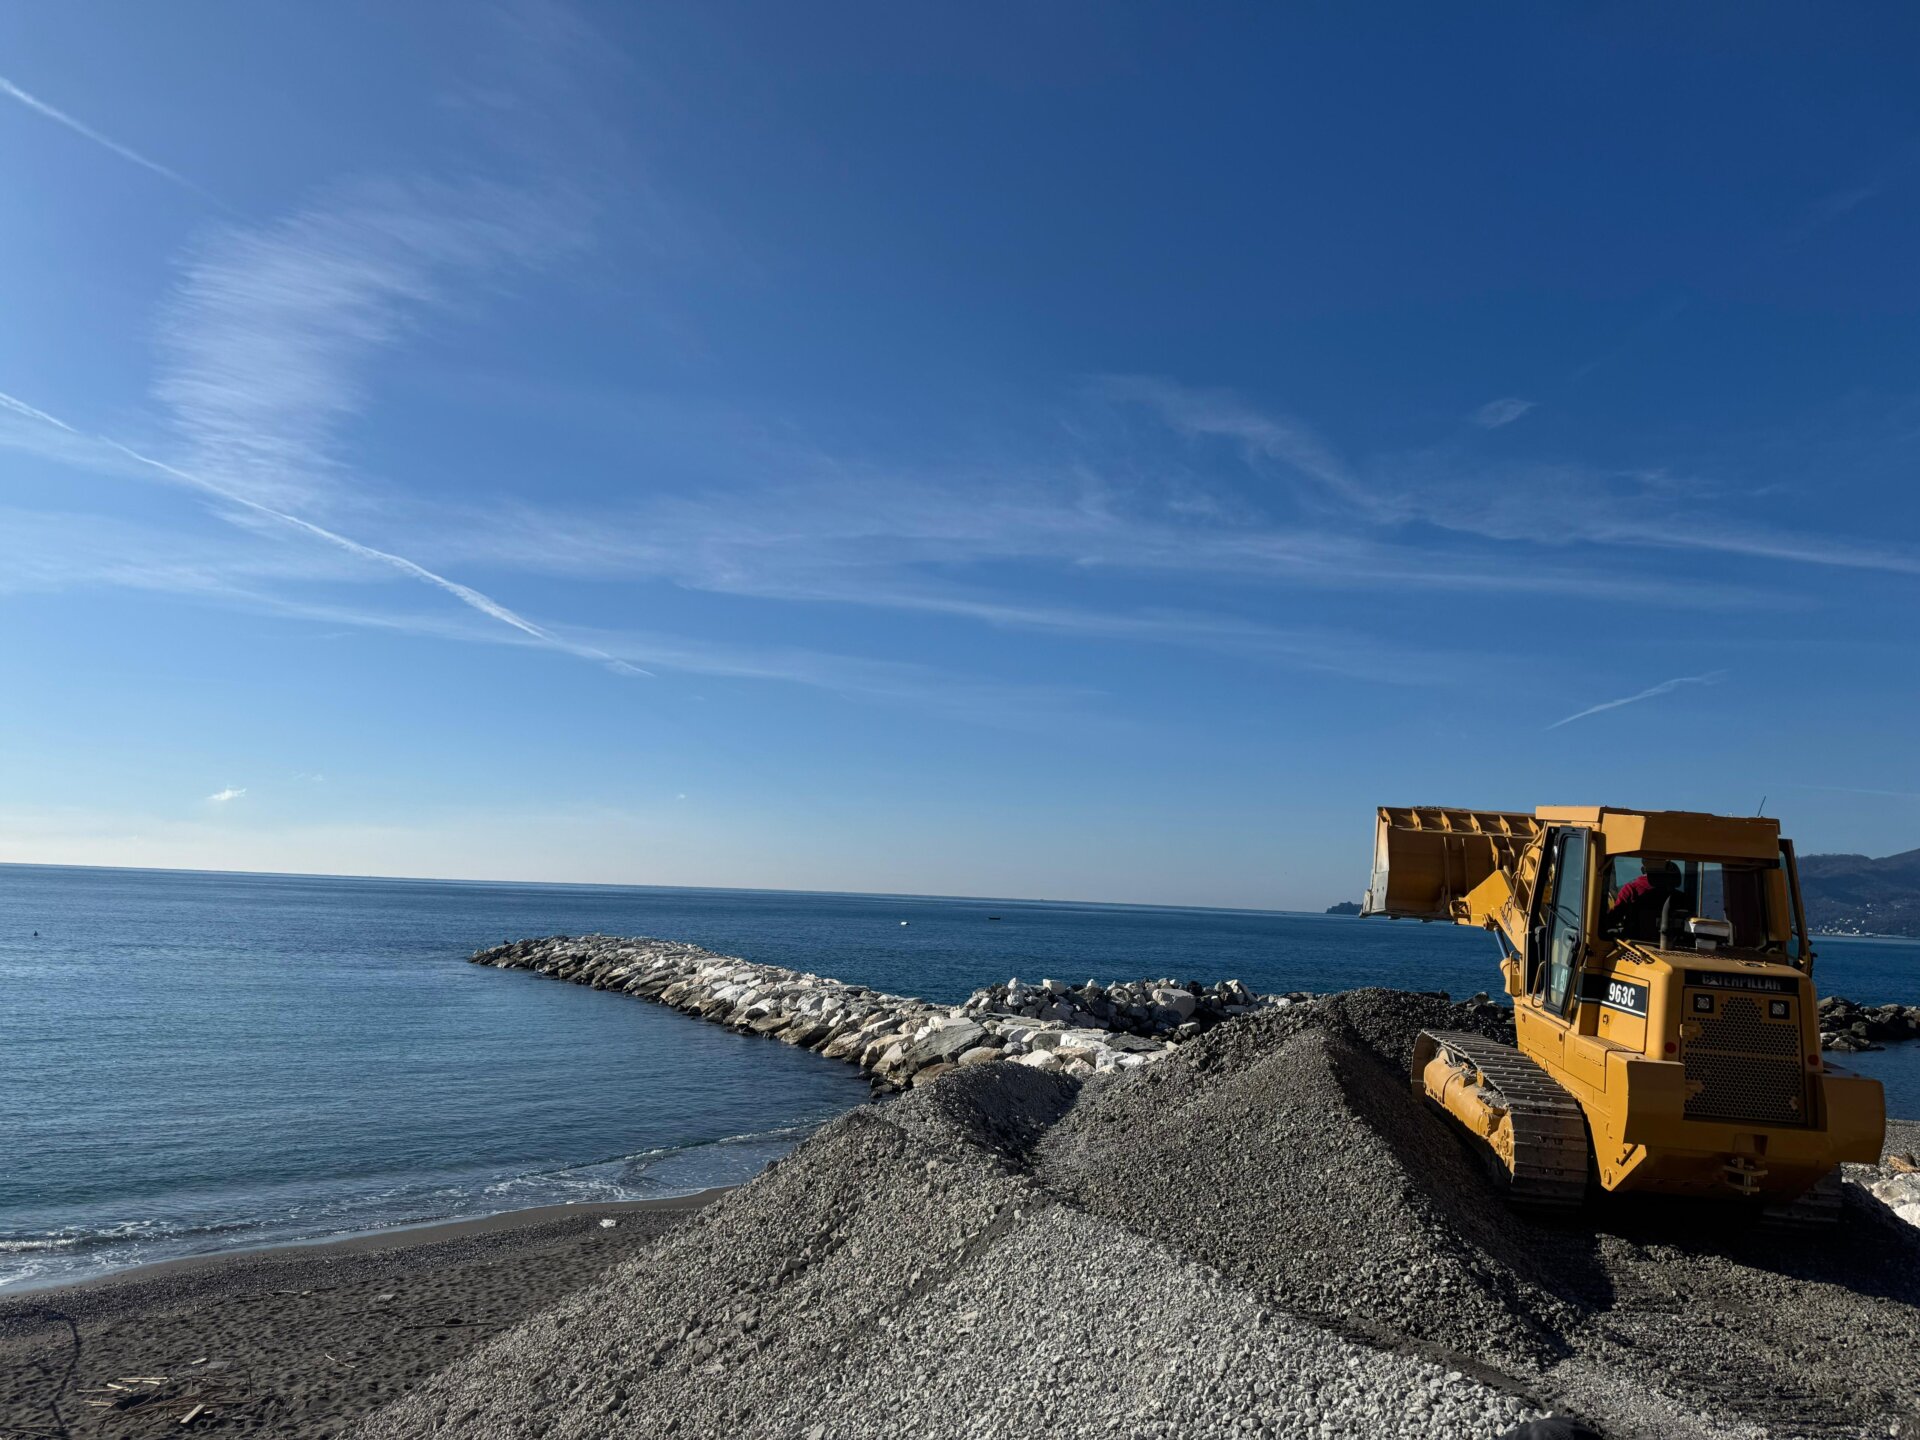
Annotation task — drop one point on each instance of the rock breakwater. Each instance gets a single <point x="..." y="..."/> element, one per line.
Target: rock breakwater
<point x="1074" y="1030"/>
<point x="1847" y="1026"/>
<point x="1154" y="1009"/>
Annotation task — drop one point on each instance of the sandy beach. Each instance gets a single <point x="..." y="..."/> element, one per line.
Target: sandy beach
<point x="297" y="1340"/>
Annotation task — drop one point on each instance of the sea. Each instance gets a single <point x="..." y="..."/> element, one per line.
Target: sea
<point x="193" y="1062"/>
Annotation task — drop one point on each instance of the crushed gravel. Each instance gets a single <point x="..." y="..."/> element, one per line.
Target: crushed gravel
<point x="1284" y="1152"/>
<point x="1288" y="1151"/>
<point x="1265" y="1234"/>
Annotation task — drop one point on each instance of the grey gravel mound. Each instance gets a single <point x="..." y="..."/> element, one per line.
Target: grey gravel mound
<point x="1264" y="1234"/>
<point x="1286" y="1151"/>
<point x="900" y="1276"/>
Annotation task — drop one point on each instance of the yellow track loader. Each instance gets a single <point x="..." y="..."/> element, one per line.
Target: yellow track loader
<point x="1663" y="1002"/>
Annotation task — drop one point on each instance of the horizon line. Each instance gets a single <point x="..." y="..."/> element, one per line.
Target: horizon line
<point x="637" y="885"/>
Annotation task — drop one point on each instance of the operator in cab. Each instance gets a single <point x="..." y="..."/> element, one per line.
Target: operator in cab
<point x="1637" y="905"/>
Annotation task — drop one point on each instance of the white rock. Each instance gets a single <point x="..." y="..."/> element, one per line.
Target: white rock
<point x="1081" y="1038"/>
<point x="1178" y="1001"/>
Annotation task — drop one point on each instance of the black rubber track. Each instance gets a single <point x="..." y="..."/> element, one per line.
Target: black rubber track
<point x="1550" y="1148"/>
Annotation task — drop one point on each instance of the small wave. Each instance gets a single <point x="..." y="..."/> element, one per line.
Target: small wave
<point x="120" y="1233"/>
<point x="49" y="1242"/>
<point x="55" y="1256"/>
<point x="793" y="1133"/>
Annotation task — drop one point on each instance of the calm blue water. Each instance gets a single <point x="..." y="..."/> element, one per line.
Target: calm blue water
<point x="190" y="1062"/>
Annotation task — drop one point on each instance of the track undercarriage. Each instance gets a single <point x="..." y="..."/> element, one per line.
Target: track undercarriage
<point x="1527" y="1127"/>
<point x="1531" y="1134"/>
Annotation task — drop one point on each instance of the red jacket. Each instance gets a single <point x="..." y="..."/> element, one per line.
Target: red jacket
<point x="1638" y="902"/>
<point x="1632" y="891"/>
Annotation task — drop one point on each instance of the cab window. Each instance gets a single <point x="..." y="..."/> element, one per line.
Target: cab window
<point x="1642" y="890"/>
<point x="1566" y="922"/>
<point x="1796" y="921"/>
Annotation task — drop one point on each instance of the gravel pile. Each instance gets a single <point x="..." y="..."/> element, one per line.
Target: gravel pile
<point x="904" y="1275"/>
<point x="1261" y="1234"/>
<point x="1286" y="1152"/>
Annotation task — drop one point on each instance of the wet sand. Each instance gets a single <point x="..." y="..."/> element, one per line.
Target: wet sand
<point x="297" y="1340"/>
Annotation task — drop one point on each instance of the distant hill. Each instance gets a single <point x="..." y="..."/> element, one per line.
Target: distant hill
<point x="1859" y="895"/>
<point x="1345" y="907"/>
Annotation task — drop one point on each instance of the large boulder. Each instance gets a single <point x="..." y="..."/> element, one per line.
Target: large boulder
<point x="1180" y="1002"/>
<point x="947" y="1043"/>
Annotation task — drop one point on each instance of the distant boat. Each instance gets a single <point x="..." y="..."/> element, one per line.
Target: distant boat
<point x="906" y="922"/>
<point x="993" y="917"/>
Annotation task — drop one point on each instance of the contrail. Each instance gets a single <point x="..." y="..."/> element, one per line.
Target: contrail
<point x="60" y="117"/>
<point x="1712" y="677"/>
<point x="20" y="407"/>
<point x="466" y="594"/>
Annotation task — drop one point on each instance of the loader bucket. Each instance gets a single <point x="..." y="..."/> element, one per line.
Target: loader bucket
<point x="1426" y="860"/>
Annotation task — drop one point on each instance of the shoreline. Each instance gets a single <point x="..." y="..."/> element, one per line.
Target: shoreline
<point x="388" y="1238"/>
<point x="304" y="1338"/>
<point x="1902" y="1135"/>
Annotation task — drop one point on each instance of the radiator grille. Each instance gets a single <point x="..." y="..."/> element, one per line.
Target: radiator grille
<point x="1747" y="1067"/>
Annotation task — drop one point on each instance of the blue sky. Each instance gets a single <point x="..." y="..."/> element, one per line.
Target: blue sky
<point x="1086" y="451"/>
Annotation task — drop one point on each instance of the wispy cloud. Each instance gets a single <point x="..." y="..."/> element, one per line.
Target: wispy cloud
<point x="913" y="539"/>
<point x="1665" y="687"/>
<point x="1539" y="501"/>
<point x="125" y="152"/>
<point x="466" y="594"/>
<point x="799" y="526"/>
<point x="1001" y="703"/>
<point x="1803" y="549"/>
<point x="50" y="551"/>
<point x="1504" y="411"/>
<point x="1262" y="436"/>
<point x="222" y="797"/>
<point x="267" y="335"/>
